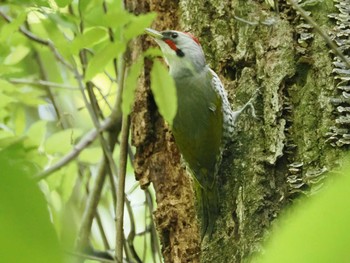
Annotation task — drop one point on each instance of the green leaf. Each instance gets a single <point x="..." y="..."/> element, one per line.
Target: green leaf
<point x="6" y="70"/>
<point x="102" y="58"/>
<point x="153" y="52"/>
<point x="57" y="33"/>
<point x="36" y="133"/>
<point x="90" y="37"/>
<point x="63" y="3"/>
<point x="32" y="3"/>
<point x="68" y="180"/>
<point x="86" y="6"/>
<point x="19" y="119"/>
<point x="164" y="91"/>
<point x="66" y="21"/>
<point x="5" y="100"/>
<point x="62" y="141"/>
<point x="16" y="55"/>
<point x="316" y="229"/>
<point x="27" y="234"/>
<point x="54" y="182"/>
<point x="97" y="17"/>
<point x="6" y="86"/>
<point x="91" y="155"/>
<point x="6" y="137"/>
<point x="138" y="24"/>
<point x="130" y="86"/>
<point x="8" y="29"/>
<point x="27" y="95"/>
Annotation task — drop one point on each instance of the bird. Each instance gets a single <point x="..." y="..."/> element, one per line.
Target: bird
<point x="204" y="121"/>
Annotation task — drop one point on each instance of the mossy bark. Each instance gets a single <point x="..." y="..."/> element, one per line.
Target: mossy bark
<point x="273" y="158"/>
<point x="283" y="152"/>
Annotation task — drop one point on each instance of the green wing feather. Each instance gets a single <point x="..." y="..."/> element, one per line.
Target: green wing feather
<point x="197" y="126"/>
<point x="198" y="132"/>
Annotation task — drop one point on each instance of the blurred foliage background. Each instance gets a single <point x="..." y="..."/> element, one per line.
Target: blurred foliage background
<point x="64" y="80"/>
<point x="62" y="74"/>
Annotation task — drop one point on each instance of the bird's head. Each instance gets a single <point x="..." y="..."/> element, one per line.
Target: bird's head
<point x="182" y="51"/>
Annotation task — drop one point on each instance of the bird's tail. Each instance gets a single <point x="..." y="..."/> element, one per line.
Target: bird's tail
<point x="208" y="206"/>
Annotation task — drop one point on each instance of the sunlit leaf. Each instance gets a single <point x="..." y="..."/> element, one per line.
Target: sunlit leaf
<point x="6" y="86"/>
<point x="5" y="100"/>
<point x="57" y="36"/>
<point x="138" y="25"/>
<point x="55" y="204"/>
<point x="32" y="2"/>
<point x="89" y="38"/>
<point x="36" y="133"/>
<point x="8" y="29"/>
<point x="5" y="135"/>
<point x="130" y="86"/>
<point x="63" y="3"/>
<point x="86" y="6"/>
<point x="102" y="58"/>
<point x="62" y="141"/>
<point x="123" y="18"/>
<point x="68" y="181"/>
<point x="19" y="120"/>
<point x="164" y="91"/>
<point x="27" y="95"/>
<point x="54" y="182"/>
<point x="91" y="155"/>
<point x="6" y="70"/>
<point x="64" y="20"/>
<point x="16" y="55"/>
<point x="153" y="52"/>
<point x="97" y="17"/>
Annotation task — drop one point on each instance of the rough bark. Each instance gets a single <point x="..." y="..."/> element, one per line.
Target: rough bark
<point x="273" y="158"/>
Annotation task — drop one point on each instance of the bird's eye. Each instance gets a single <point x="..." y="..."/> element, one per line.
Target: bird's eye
<point x="174" y="35"/>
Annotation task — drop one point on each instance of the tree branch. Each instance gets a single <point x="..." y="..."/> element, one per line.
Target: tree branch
<point x="41" y="82"/>
<point x="81" y="145"/>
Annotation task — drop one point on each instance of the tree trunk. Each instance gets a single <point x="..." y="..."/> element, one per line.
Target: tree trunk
<point x="273" y="158"/>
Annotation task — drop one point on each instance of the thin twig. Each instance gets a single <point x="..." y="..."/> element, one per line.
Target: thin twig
<point x="41" y="82"/>
<point x="121" y="188"/>
<point x="98" y="218"/>
<point x="85" y="256"/>
<point x="104" y="97"/>
<point x="90" y="209"/>
<point x="131" y="237"/>
<point x="120" y="71"/>
<point x="81" y="145"/>
<point x="154" y="238"/>
<point x="329" y="41"/>
<point x="102" y="231"/>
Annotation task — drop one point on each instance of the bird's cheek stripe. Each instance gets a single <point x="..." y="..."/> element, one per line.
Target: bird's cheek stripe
<point x="171" y="44"/>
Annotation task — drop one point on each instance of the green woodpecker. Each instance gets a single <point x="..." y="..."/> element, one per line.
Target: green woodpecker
<point x="204" y="120"/>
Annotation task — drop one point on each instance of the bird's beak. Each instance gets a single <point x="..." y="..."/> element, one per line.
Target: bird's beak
<point x="153" y="33"/>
